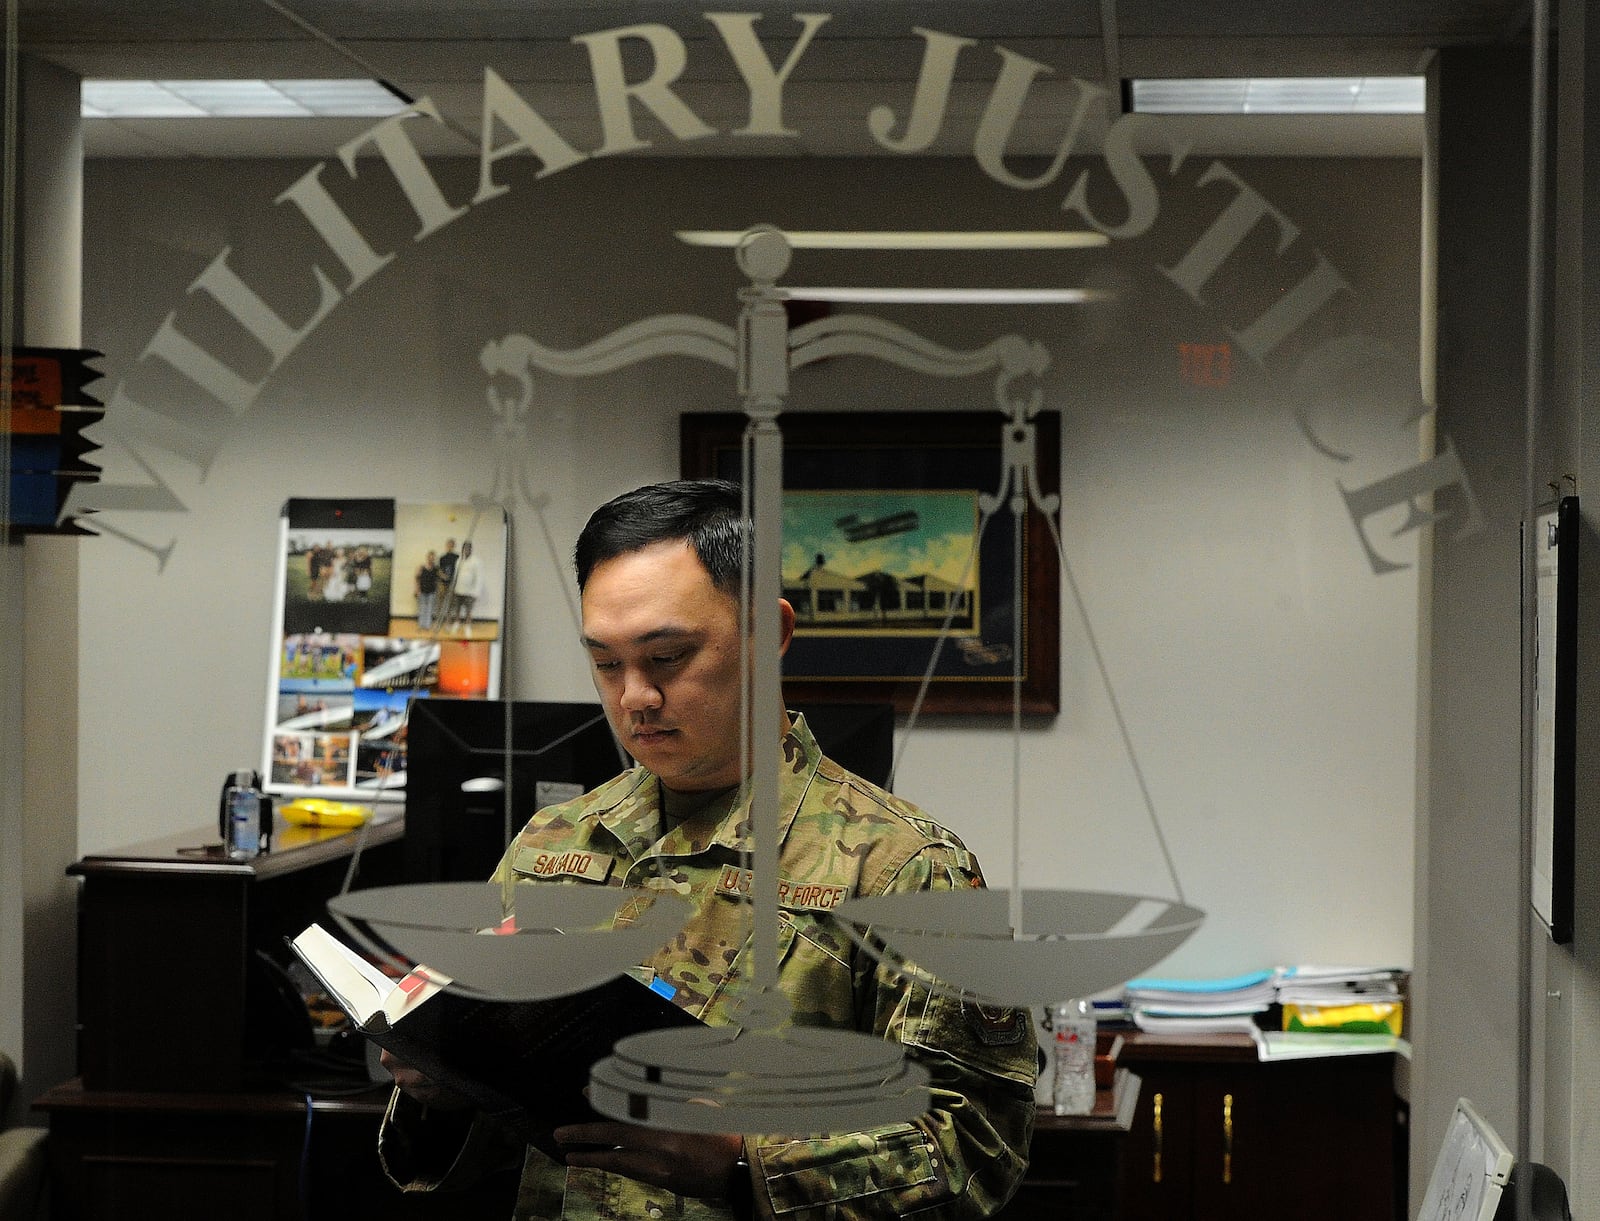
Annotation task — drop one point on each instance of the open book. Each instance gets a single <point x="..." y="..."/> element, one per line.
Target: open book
<point x="525" y="1063"/>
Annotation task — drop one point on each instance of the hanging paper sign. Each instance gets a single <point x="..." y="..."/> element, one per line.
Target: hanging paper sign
<point x="47" y="413"/>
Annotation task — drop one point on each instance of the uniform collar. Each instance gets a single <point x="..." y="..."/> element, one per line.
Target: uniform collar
<point x="635" y="820"/>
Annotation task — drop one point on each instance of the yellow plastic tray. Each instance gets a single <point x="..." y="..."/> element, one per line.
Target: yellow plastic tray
<point x="322" y="812"/>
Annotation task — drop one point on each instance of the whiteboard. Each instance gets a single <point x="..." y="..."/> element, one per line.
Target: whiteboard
<point x="1470" y="1173"/>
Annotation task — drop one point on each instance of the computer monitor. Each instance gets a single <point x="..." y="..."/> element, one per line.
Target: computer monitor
<point x="461" y="812"/>
<point x="471" y="784"/>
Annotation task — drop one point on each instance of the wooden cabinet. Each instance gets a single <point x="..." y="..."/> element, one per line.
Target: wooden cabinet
<point x="191" y="1101"/>
<point x="1220" y="1136"/>
<point x="177" y="989"/>
<point x="1073" y="1163"/>
<point x="247" y="1155"/>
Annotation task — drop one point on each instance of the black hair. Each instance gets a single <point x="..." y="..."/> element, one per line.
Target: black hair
<point x="706" y="513"/>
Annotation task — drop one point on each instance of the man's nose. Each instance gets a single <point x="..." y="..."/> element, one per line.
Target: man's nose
<point x="639" y="694"/>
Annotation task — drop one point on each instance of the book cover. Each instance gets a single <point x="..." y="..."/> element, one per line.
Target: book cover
<point x="526" y="1063"/>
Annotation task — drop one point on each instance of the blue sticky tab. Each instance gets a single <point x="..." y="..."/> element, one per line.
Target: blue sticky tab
<point x="663" y="987"/>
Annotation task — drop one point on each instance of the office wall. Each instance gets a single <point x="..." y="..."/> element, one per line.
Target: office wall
<point x="1466" y="1025"/>
<point x="1571" y="992"/>
<point x="39" y="597"/>
<point x="1263" y="673"/>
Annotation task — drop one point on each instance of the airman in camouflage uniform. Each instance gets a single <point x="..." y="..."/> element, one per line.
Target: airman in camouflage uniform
<point x="659" y="575"/>
<point x="842" y="837"/>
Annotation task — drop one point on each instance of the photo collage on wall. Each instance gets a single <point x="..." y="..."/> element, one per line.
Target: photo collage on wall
<point x="380" y="603"/>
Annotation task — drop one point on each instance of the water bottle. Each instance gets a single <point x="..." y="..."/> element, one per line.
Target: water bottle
<point x="1072" y="1060"/>
<point x="243" y="803"/>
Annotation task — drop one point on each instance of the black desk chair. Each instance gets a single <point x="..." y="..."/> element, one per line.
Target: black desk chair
<point x="22" y="1165"/>
<point x="1549" y="1202"/>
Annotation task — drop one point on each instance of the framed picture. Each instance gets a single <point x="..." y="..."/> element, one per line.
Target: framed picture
<point x="379" y="604"/>
<point x="881" y="546"/>
<point x="1555" y="736"/>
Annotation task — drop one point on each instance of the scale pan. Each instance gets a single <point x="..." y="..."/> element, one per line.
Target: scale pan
<point x="798" y="1080"/>
<point x="1095" y="940"/>
<point x="562" y="940"/>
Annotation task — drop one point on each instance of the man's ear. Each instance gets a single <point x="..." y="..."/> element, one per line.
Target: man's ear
<point x="785" y="625"/>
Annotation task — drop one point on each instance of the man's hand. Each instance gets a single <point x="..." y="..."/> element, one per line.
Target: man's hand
<point x="685" y="1163"/>
<point x="424" y="1089"/>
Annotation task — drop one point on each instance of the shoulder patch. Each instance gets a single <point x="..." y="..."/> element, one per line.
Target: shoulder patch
<point x="993" y="1025"/>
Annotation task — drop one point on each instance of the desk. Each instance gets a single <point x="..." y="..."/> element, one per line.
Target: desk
<point x="1075" y="1163"/>
<point x="172" y="992"/>
<point x="248" y="1155"/>
<point x="175" y="1113"/>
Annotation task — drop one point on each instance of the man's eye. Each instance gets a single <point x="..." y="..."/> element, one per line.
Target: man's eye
<point x="604" y="665"/>
<point x="669" y="659"/>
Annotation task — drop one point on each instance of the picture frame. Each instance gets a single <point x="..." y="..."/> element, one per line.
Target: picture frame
<point x="1555" y="685"/>
<point x="880" y="510"/>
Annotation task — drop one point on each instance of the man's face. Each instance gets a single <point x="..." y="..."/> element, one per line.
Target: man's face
<point x="663" y="642"/>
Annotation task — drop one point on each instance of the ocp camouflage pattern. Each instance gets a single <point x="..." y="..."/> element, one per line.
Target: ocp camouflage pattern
<point x="842" y="837"/>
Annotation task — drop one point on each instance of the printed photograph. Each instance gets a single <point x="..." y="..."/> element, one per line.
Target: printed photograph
<point x="450" y="561"/>
<point x="318" y="661"/>
<point x="380" y="765"/>
<point x="337" y="579"/>
<point x="311" y="759"/>
<point x="379" y="714"/>
<point x="393" y="663"/>
<point x="314" y="712"/>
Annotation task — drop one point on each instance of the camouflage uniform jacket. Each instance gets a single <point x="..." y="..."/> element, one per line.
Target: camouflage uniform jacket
<point x="841" y="837"/>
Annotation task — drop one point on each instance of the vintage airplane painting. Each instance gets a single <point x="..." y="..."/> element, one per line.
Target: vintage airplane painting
<point x="868" y="561"/>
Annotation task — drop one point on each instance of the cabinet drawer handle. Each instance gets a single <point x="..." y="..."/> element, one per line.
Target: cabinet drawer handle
<point x="1227" y="1138"/>
<point x="1155" y="1164"/>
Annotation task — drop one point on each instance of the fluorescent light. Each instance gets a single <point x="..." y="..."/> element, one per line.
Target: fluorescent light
<point x="134" y="99"/>
<point x="1282" y="95"/>
<point x="817" y="239"/>
<point x="237" y="99"/>
<point x="947" y="296"/>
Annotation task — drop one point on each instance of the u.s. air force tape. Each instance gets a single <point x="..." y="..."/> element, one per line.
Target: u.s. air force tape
<point x="796" y="896"/>
<point x="544" y="863"/>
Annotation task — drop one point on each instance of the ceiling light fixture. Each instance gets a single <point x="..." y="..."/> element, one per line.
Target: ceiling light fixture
<point x="895" y="239"/>
<point x="946" y="296"/>
<point x="238" y="99"/>
<point x="1357" y="95"/>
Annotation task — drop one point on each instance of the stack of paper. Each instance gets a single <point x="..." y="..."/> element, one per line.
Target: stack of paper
<point x="1201" y="1006"/>
<point x="1300" y="1045"/>
<point x="1309" y="985"/>
<point x="1343" y="1000"/>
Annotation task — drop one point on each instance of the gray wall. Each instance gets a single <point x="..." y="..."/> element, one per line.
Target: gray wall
<point x="38" y="651"/>
<point x="1571" y="444"/>
<point x="1466" y="1037"/>
<point x="1467" y="968"/>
